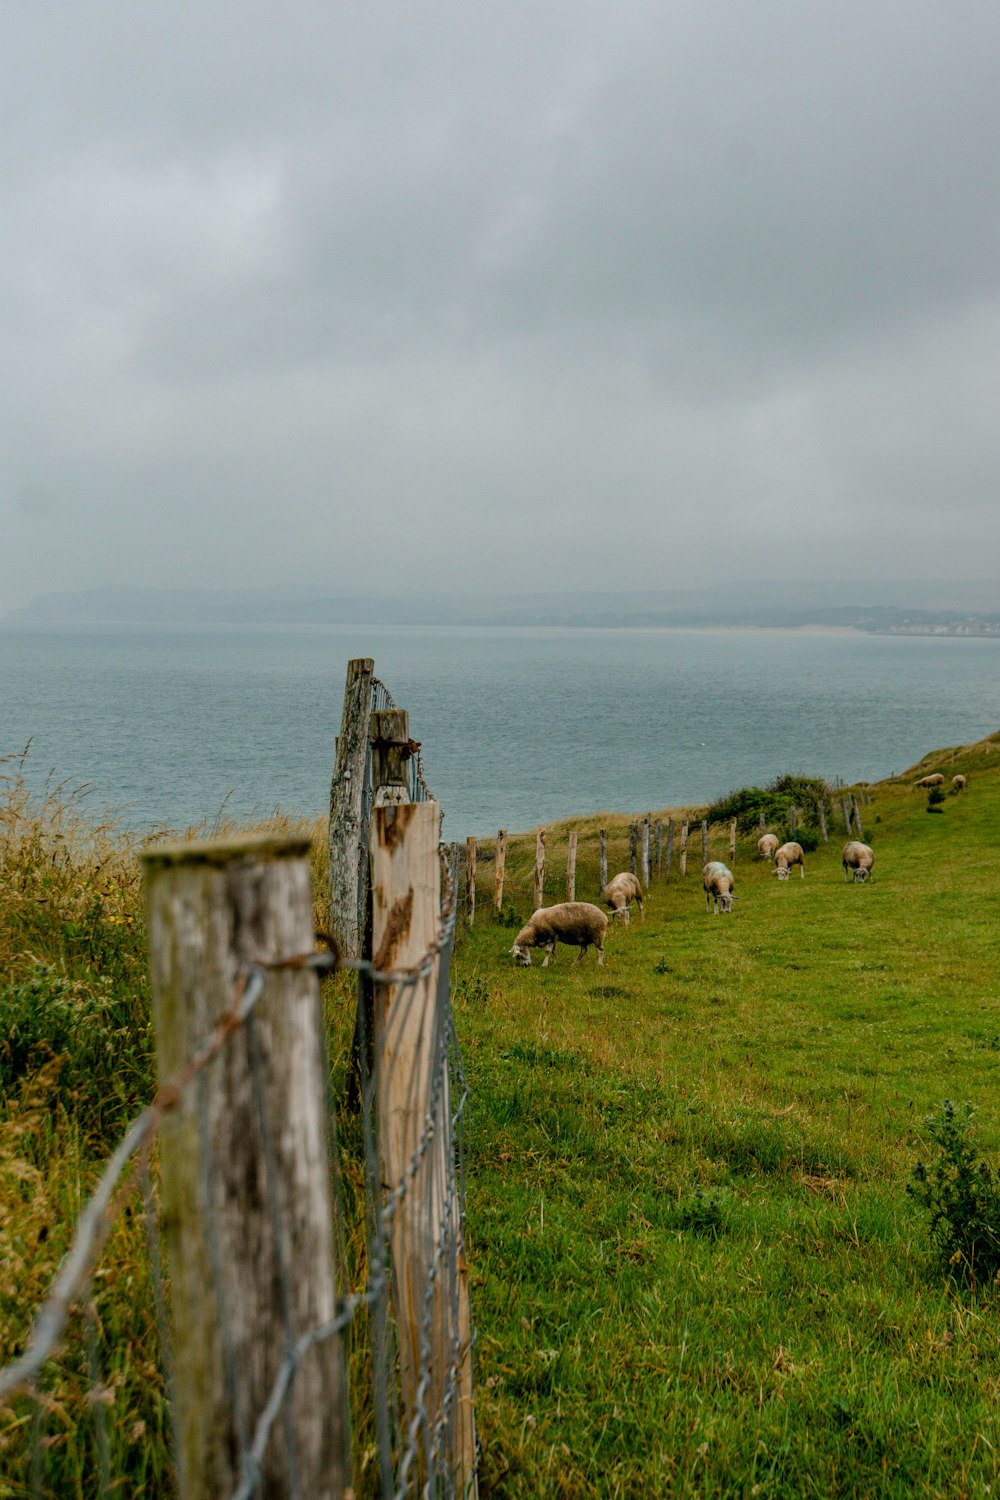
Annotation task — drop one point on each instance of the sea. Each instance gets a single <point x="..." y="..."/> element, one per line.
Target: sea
<point x="177" y="727"/>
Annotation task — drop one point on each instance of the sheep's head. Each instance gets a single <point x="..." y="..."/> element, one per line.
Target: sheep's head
<point x="781" y="871"/>
<point x="726" y="899"/>
<point x="861" y="875"/>
<point x="521" y="954"/>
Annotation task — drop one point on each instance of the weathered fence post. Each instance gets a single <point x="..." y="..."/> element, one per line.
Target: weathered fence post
<point x="857" y="818"/>
<point x="732" y="839"/>
<point x="246" y="1207"/>
<point x="539" y="867"/>
<point x="501" y="865"/>
<point x="762" y="825"/>
<point x="682" y="860"/>
<point x="602" y="858"/>
<point x="633" y="847"/>
<point x="704" y="841"/>
<point x="793" y="820"/>
<point x="658" y="833"/>
<point x="670" y="845"/>
<point x="391" y="752"/>
<point x="470" y="879"/>
<point x="846" y="812"/>
<point x="645" y="852"/>
<point x="571" y="867"/>
<point x="427" y="1252"/>
<point x="348" y="881"/>
<point x="821" y="808"/>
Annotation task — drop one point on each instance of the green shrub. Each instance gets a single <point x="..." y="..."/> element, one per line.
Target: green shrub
<point x="808" y="838"/>
<point x="934" y="799"/>
<point x="773" y="801"/>
<point x="961" y="1194"/>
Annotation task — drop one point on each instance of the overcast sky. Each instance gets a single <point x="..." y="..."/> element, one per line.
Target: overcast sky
<point x="498" y="294"/>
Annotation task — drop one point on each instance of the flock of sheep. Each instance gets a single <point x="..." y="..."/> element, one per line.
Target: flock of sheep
<point x="583" y="925"/>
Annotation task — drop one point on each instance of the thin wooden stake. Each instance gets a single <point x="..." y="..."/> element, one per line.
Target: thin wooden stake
<point x="602" y="858"/>
<point x="539" y="867"/>
<point x="857" y="818"/>
<point x="470" y="879"/>
<point x="347" y="839"/>
<point x="633" y="847"/>
<point x="571" y="867"/>
<point x="682" y="862"/>
<point x="704" y="841"/>
<point x="501" y="865"/>
<point x="732" y="840"/>
<point x="644" y="832"/>
<point x="821" y="807"/>
<point x="670" y="846"/>
<point x="658" y="830"/>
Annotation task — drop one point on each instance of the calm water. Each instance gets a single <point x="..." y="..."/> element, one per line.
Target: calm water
<point x="518" y="725"/>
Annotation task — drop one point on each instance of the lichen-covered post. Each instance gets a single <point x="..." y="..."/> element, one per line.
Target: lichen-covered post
<point x="821" y="809"/>
<point x="633" y="847"/>
<point x="539" y="867"/>
<point x="501" y="865"/>
<point x="571" y="867"/>
<point x="247" y="1215"/>
<point x="732" y="840"/>
<point x="348" y="840"/>
<point x="846" y="815"/>
<point x="644" y="832"/>
<point x="602" y="857"/>
<point x="427" y="1251"/>
<point x="857" y="818"/>
<point x="682" y="860"/>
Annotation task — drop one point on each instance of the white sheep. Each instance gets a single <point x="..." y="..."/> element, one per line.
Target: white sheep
<point x="859" y="858"/>
<point x="958" y="782"/>
<point x="766" y="845"/>
<point x="619" y="894"/>
<point x="718" y="882"/>
<point x="789" y="854"/>
<point x="934" y="779"/>
<point x="577" y="923"/>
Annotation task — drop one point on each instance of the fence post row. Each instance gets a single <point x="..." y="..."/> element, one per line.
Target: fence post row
<point x="416" y="1143"/>
<point x="246" y="1206"/>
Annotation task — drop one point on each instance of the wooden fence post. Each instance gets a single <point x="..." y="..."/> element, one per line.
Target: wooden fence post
<point x="571" y="867"/>
<point x="470" y="879"/>
<point x="348" y="883"/>
<point x="682" y="861"/>
<point x="732" y="839"/>
<point x="762" y="825"/>
<point x="793" y="820"/>
<point x="644" y="830"/>
<point x="846" y="813"/>
<point x="501" y="865"/>
<point x="821" y="807"/>
<point x="390" y="738"/>
<point x="247" y="1215"/>
<point x="857" y="818"/>
<point x="704" y="841"/>
<point x="670" y="845"/>
<point x="430" y="1291"/>
<point x="658" y="832"/>
<point x="602" y="858"/>
<point x="539" y="867"/>
<point x="633" y="847"/>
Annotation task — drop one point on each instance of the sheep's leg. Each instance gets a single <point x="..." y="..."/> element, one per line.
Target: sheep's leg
<point x="627" y="915"/>
<point x="802" y="871"/>
<point x="579" y="956"/>
<point x="550" y="952"/>
<point x="642" y="909"/>
<point x="600" y="954"/>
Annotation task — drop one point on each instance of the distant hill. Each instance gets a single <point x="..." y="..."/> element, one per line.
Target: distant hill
<point x="920" y="607"/>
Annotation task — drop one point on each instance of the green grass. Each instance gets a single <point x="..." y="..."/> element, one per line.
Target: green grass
<point x="695" y="1267"/>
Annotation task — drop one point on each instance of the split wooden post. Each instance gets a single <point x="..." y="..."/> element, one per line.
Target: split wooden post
<point x="846" y="813"/>
<point x="658" y="832"/>
<point x="645" y="852"/>
<point x="602" y="858"/>
<point x="633" y="847"/>
<point x="348" y="839"/>
<point x="431" y="1293"/>
<point x="821" y="808"/>
<point x="704" y="841"/>
<point x="682" y="860"/>
<point x="857" y="818"/>
<point x="670" y="845"/>
<point x="470" y="879"/>
<point x="501" y="865"/>
<point x="539" y="867"/>
<point x="571" y="867"/>
<point x="391" y="751"/>
<point x="732" y="839"/>
<point x="246" y="1207"/>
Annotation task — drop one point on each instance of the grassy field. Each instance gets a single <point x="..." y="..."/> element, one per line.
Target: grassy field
<point x="696" y="1268"/>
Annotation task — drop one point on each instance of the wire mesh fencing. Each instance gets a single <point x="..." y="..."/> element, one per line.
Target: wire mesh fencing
<point x="360" y="1385"/>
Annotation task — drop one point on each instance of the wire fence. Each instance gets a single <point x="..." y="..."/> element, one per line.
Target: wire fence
<point x="418" y="1369"/>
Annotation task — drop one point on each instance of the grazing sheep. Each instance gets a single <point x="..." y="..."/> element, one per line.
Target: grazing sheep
<point x="574" y="922"/>
<point x="619" y="894"/>
<point x="766" y="845"/>
<point x="859" y="858"/>
<point x="788" y="855"/>
<point x="935" y="779"/>
<point x="718" y="882"/>
<point x="958" y="782"/>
